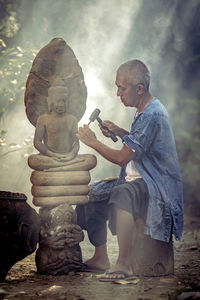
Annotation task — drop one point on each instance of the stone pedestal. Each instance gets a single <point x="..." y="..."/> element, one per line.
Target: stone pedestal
<point x="55" y="191"/>
<point x="59" y="251"/>
<point x="55" y="188"/>
<point x="152" y="257"/>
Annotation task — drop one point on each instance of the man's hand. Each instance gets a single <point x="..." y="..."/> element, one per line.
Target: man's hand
<point x="86" y="135"/>
<point x="112" y="127"/>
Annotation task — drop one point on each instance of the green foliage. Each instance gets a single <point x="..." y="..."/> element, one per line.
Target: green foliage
<point x="9" y="24"/>
<point x="15" y="64"/>
<point x="2" y="137"/>
<point x="25" y="149"/>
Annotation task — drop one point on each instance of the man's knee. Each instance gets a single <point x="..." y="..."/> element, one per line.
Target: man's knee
<point x="100" y="190"/>
<point x="118" y="190"/>
<point x="92" y="217"/>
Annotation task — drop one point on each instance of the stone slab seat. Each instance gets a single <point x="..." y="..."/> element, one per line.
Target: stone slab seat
<point x="152" y="257"/>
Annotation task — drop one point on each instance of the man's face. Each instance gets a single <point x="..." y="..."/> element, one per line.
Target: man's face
<point x="126" y="91"/>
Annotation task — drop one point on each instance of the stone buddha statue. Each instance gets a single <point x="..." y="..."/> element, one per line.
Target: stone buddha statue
<point x="55" y="100"/>
<point x="55" y="135"/>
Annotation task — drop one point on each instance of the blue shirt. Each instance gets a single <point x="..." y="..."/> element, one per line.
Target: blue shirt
<point x="152" y="139"/>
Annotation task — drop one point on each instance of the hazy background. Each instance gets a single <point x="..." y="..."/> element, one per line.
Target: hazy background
<point x="103" y="34"/>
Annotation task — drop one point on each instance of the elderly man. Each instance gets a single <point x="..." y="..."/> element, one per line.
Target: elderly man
<point x="149" y="187"/>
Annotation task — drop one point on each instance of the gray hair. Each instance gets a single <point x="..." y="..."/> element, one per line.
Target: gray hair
<point x="137" y="72"/>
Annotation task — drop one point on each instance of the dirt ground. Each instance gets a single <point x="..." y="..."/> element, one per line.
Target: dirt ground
<point x="23" y="282"/>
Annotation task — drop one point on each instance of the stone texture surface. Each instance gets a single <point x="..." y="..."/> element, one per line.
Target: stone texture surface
<point x="65" y="185"/>
<point x="56" y="59"/>
<point x="19" y="234"/>
<point x="55" y="100"/>
<point x="59" y="251"/>
<point x="151" y="257"/>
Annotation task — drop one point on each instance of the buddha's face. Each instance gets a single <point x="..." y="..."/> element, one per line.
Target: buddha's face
<point x="59" y="104"/>
<point x="58" y="99"/>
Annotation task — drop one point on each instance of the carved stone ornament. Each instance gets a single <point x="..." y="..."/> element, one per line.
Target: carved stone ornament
<point x="54" y="60"/>
<point x="59" y="251"/>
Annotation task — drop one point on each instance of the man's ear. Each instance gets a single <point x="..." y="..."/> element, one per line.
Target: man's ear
<point x="140" y="89"/>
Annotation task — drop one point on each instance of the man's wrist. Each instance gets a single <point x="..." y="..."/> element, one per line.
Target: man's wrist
<point x="95" y="145"/>
<point x="122" y="132"/>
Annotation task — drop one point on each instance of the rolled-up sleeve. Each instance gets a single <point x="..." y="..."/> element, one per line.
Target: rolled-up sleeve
<point x="143" y="132"/>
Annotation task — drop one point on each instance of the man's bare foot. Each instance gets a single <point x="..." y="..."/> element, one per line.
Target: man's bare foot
<point x="99" y="260"/>
<point x="98" y="263"/>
